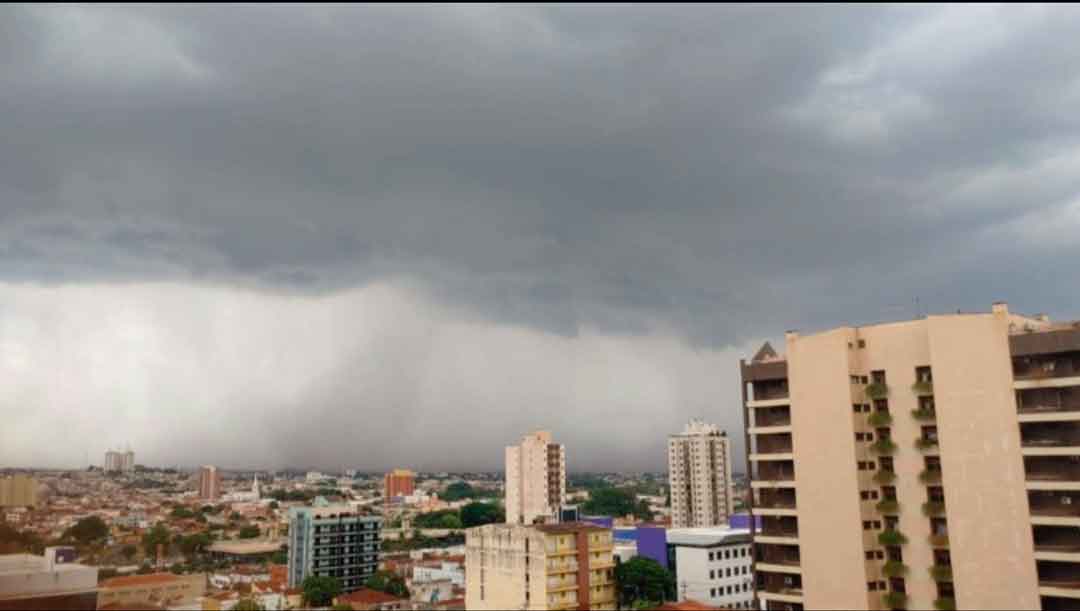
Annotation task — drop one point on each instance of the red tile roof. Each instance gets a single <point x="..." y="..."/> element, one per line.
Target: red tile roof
<point x="686" y="605"/>
<point x="132" y="606"/>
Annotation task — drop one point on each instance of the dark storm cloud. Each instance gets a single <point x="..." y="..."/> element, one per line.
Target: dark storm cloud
<point x="726" y="173"/>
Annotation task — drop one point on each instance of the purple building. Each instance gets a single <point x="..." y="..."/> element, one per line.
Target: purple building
<point x="651" y="541"/>
<point x="742" y="520"/>
<point x="602" y="521"/>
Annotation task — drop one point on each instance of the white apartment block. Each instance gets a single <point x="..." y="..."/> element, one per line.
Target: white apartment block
<point x="535" y="479"/>
<point x="699" y="473"/>
<point x="714" y="566"/>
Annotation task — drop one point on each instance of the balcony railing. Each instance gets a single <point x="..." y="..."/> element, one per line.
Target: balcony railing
<point x="1049" y="442"/>
<point x="933" y="508"/>
<point x="884" y="477"/>
<point x="930" y="476"/>
<point x="1065" y="583"/>
<point x="883" y="446"/>
<point x="923" y="388"/>
<point x="938" y="540"/>
<point x="892" y="537"/>
<point x="1043" y="370"/>
<point x="941" y="573"/>
<point x="790" y="533"/>
<point x="1060" y="547"/>
<point x="924" y="414"/>
<point x="925" y="443"/>
<point x="892" y="568"/>
<point x="877" y="390"/>
<point x="888" y="507"/>
<point x="879" y="418"/>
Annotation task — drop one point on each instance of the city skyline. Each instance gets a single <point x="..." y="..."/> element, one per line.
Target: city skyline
<point x="427" y="230"/>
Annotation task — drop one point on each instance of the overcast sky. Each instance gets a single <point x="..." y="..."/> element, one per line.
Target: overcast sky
<point x="403" y="236"/>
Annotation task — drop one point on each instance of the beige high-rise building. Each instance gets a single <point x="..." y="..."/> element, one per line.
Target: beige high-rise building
<point x="535" y="479"/>
<point x="931" y="463"/>
<point x="18" y="491"/>
<point x="699" y="474"/>
<point x="209" y="483"/>
<point x="544" y="566"/>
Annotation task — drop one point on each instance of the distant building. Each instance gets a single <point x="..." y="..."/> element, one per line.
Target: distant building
<point x="699" y="473"/>
<point x="535" y="479"/>
<point x="649" y="540"/>
<point x="399" y="482"/>
<point x="364" y="599"/>
<point x="333" y="541"/>
<point x="209" y="483"/>
<point x="52" y="581"/>
<point x="162" y="590"/>
<point x="713" y="565"/>
<point x="252" y="496"/>
<point x="18" y="491"/>
<point x="543" y="566"/>
<point x="119" y="462"/>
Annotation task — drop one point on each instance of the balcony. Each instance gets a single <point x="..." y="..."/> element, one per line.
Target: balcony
<point x="941" y="573"/>
<point x="893" y="568"/>
<point x="770" y="390"/>
<point x="888" y="507"/>
<point x="876" y="390"/>
<point x="779" y="587"/>
<point x="1048" y="404"/>
<point x="778" y="559"/>
<point x="923" y="388"/>
<point x="879" y="419"/>
<point x="556" y="569"/>
<point x="938" y="540"/>
<point x="785" y="529"/>
<point x="945" y="604"/>
<point x="930" y="476"/>
<point x="926" y="443"/>
<point x="923" y="414"/>
<point x="894" y="600"/>
<point x="772" y="417"/>
<point x="1054" y="508"/>
<point x="1050" y="438"/>
<point x="933" y="508"/>
<point x="1046" y="367"/>
<point x="884" y="447"/>
<point x="777" y="443"/>
<point x="884" y="477"/>
<point x="783" y="498"/>
<point x="891" y="537"/>
<point x="1058" y="579"/>
<point x="774" y="472"/>
<point x="1052" y="472"/>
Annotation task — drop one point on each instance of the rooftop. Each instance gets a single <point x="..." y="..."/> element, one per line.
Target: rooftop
<point x="569" y="527"/>
<point x="139" y="580"/>
<point x="366" y="596"/>
<point x="249" y="547"/>
<point x="718" y="535"/>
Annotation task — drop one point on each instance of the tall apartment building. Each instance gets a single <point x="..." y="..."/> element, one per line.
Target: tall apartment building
<point x="119" y="462"/>
<point x="333" y="541"/>
<point x="543" y="566"/>
<point x="399" y="482"/>
<point x="535" y="479"/>
<point x="209" y="483"/>
<point x="18" y="491"/>
<point x="918" y="464"/>
<point x="699" y="474"/>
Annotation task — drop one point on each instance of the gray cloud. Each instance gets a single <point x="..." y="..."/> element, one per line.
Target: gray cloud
<point x="720" y="173"/>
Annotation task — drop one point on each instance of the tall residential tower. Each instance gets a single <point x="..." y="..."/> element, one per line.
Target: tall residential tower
<point x="932" y="463"/>
<point x="699" y="474"/>
<point x="535" y="479"/>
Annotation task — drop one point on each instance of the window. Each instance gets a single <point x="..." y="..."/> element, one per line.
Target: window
<point x="712" y="556"/>
<point x="727" y="554"/>
<point x="867" y="525"/>
<point x="872" y="586"/>
<point x="712" y="574"/>
<point x="712" y="592"/>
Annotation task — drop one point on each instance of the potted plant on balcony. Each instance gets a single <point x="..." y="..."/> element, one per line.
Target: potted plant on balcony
<point x="933" y="508"/>
<point x="945" y="604"/>
<point x="884" y="477"/>
<point x="888" y="506"/>
<point x="879" y="418"/>
<point x="894" y="600"/>
<point x="924" y="443"/>
<point x="940" y="572"/>
<point x="891" y="537"/>
<point x="894" y="568"/>
<point x="883" y="446"/>
<point x="930" y="476"/>
<point x="938" y="540"/>
<point x="923" y="414"/>
<point x="923" y="387"/>
<point x="877" y="390"/>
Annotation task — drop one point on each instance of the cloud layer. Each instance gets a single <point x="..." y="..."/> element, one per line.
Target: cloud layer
<point x="623" y="177"/>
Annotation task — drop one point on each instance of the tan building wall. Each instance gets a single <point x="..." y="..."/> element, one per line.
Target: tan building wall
<point x="820" y="545"/>
<point x="569" y="566"/>
<point x="18" y="491"/>
<point x="699" y="475"/>
<point x="161" y="589"/>
<point x="535" y="478"/>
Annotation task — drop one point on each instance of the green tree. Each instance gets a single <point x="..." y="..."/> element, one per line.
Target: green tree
<point x="320" y="591"/>
<point x="478" y="514"/>
<point x="250" y="604"/>
<point x="388" y="582"/>
<point x="88" y="530"/>
<point x="18" y="542"/>
<point x="643" y="580"/>
<point x="249" y="532"/>
<point x="194" y="544"/>
<point x="457" y="491"/>
<point x="182" y="513"/>
<point x="447" y="518"/>
<point x="341" y="607"/>
<point x="616" y="502"/>
<point x="280" y="557"/>
<point x="158" y="534"/>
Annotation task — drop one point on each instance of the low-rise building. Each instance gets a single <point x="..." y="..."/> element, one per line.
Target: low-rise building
<point x="159" y="589"/>
<point x="366" y="599"/>
<point x="713" y="565"/>
<point x="543" y="566"/>
<point x="52" y="581"/>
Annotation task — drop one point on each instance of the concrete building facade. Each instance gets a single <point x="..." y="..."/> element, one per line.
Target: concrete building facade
<point x="333" y="541"/>
<point x="535" y="479"/>
<point x="163" y="590"/>
<point x="209" y="483"/>
<point x="699" y="474"/>
<point x="18" y="490"/>
<point x="713" y="566"/>
<point x="52" y="581"/>
<point x="544" y="566"/>
<point x="399" y="482"/>
<point x="119" y="462"/>
<point x="918" y="464"/>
